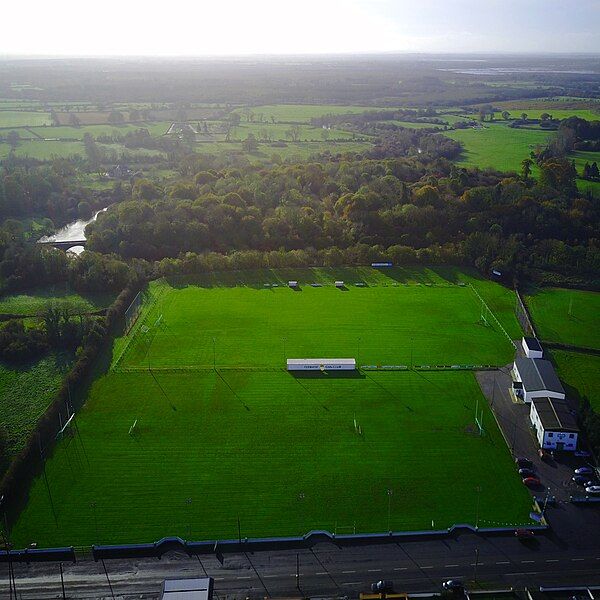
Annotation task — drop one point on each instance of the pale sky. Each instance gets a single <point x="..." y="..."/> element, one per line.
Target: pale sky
<point x="238" y="27"/>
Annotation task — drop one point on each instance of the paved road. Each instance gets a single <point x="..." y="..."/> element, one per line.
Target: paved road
<point x="330" y="571"/>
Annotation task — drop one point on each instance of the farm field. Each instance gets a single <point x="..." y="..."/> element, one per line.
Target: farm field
<point x="77" y="133"/>
<point x="44" y="150"/>
<point x="25" y="393"/>
<point x="581" y="372"/>
<point x="290" y="151"/>
<point x="279" y="131"/>
<point x="18" y="118"/>
<point x="34" y="301"/>
<point x="303" y="113"/>
<point x="498" y="146"/>
<point x="566" y="316"/>
<point x="383" y="323"/>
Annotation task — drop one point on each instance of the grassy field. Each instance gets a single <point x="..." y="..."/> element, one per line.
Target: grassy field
<point x="278" y="131"/>
<point x="277" y="451"/>
<point x="303" y="113"/>
<point x="566" y="316"/>
<point x="35" y="301"/>
<point x="77" y="133"/>
<point x="25" y="393"/>
<point x="383" y="323"/>
<point x="18" y="118"/>
<point x="498" y="146"/>
<point x="44" y="150"/>
<point x="280" y="452"/>
<point x="580" y="159"/>
<point x="581" y="372"/>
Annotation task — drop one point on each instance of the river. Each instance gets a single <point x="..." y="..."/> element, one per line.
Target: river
<point x="72" y="232"/>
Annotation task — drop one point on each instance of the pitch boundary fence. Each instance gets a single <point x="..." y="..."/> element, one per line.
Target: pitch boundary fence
<point x="493" y="316"/>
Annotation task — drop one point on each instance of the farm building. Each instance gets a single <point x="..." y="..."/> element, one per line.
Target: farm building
<point x="321" y="364"/>
<point x="555" y="425"/>
<point x="536" y="378"/>
<point x="532" y="347"/>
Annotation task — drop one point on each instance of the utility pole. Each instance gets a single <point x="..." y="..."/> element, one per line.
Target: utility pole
<point x="297" y="570"/>
<point x="239" y="531"/>
<point x="389" y="493"/>
<point x="477" y="512"/>
<point x="476" y="563"/>
<point x="62" y="582"/>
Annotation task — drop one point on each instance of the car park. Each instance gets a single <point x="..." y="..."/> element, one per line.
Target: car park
<point x="584" y="471"/>
<point x="592" y="489"/>
<point x="582" y="480"/>
<point x="544" y="455"/>
<point x="531" y="481"/>
<point x="582" y="454"/>
<point x="523" y="462"/>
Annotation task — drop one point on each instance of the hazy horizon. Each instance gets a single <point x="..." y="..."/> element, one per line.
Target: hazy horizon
<point x="316" y="27"/>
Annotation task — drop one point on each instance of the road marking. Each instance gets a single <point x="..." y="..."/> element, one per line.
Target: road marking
<point x="219" y="578"/>
<point x="374" y="570"/>
<point x="552" y="560"/>
<point x="321" y="573"/>
<point x="575" y="559"/>
<point x="427" y="567"/>
<point x="450" y="566"/>
<point x="527" y="561"/>
<point x="503" y="562"/>
<point x="346" y="572"/>
<point x="248" y="577"/>
<point x="271" y="576"/>
<point x="406" y="568"/>
<point x="351" y="582"/>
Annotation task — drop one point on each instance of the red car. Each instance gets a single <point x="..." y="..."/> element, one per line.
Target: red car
<point x="524" y="534"/>
<point x="531" y="481"/>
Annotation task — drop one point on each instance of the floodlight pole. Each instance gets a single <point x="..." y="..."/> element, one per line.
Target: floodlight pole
<point x="476" y="564"/>
<point x="214" y="354"/>
<point x="389" y="494"/>
<point x="358" y="351"/>
<point x="477" y="511"/>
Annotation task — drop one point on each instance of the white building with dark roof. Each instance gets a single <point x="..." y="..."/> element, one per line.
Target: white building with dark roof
<point x="555" y="424"/>
<point x="532" y="347"/>
<point x="536" y="378"/>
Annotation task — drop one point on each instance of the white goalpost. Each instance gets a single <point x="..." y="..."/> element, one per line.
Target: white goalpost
<point x="132" y="428"/>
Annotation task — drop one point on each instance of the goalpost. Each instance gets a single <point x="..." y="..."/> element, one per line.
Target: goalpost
<point x="479" y="418"/>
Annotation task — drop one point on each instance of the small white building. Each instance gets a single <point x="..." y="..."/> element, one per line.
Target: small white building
<point x="555" y="425"/>
<point x="293" y="284"/>
<point x="321" y="364"/>
<point x="339" y="284"/>
<point x="536" y="378"/>
<point x="187" y="589"/>
<point x="532" y="347"/>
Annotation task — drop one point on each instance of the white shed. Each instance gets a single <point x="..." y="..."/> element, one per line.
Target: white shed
<point x="321" y="364"/>
<point x="532" y="347"/>
<point x="555" y="425"/>
<point x="536" y="378"/>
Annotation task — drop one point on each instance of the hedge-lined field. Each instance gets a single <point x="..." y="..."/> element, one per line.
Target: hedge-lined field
<point x="581" y="372"/>
<point x="566" y="316"/>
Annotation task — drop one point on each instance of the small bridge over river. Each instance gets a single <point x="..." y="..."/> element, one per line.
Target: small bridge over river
<point x="63" y="244"/>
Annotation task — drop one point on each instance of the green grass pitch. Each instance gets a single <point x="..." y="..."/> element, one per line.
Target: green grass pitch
<point x="383" y="323"/>
<point x="280" y="452"/>
<point x="566" y="316"/>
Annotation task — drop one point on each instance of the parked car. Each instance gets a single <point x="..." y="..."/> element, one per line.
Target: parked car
<point x="544" y="454"/>
<point x="384" y="585"/>
<point x="582" y="454"/>
<point x="524" y="534"/>
<point x="521" y="461"/>
<point x="582" y="480"/>
<point x="584" y="471"/>
<point x="453" y="585"/>
<point x="592" y="489"/>
<point x="526" y="472"/>
<point x="531" y="481"/>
